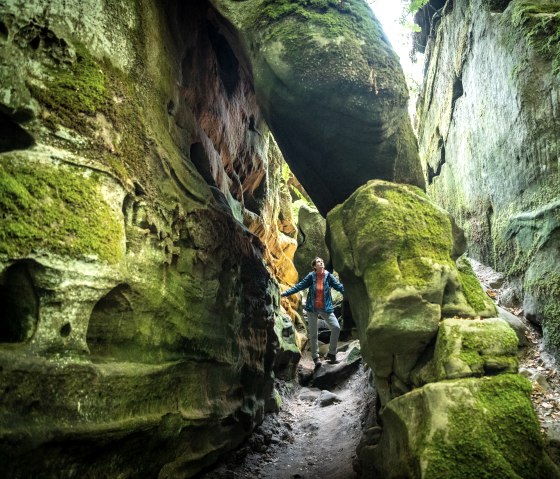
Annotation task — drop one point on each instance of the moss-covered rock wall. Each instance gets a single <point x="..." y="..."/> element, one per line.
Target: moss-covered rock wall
<point x="488" y="132"/>
<point x="137" y="331"/>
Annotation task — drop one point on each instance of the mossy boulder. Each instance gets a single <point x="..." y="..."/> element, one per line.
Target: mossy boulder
<point x="392" y="247"/>
<point x="471" y="347"/>
<point x="332" y="91"/>
<point x="476" y="427"/>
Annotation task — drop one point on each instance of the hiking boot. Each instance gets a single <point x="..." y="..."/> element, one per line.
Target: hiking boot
<point x="317" y="362"/>
<point x="331" y="358"/>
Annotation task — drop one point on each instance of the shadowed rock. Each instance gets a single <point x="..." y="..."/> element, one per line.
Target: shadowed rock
<point x="489" y="137"/>
<point x="138" y="317"/>
<point x="332" y="91"/>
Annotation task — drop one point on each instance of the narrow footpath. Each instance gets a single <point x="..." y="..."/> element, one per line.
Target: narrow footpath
<point x="314" y="436"/>
<point x="535" y="363"/>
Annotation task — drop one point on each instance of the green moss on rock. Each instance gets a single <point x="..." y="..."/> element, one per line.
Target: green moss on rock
<point x="492" y="434"/>
<point x="540" y="23"/>
<point x="335" y="40"/>
<point x="55" y="210"/>
<point x="467" y="347"/>
<point x="466" y="428"/>
<point x="77" y="87"/>
<point x="470" y="285"/>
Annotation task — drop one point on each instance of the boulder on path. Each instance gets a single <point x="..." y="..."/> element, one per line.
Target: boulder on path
<point x="393" y="247"/>
<point x="329" y="375"/>
<point x="516" y="324"/>
<point x="327" y="398"/>
<point x="475" y="427"/>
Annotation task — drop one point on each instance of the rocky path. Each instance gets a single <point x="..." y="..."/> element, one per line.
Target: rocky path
<point x="314" y="436"/>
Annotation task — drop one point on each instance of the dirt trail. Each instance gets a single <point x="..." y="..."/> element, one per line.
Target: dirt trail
<point x="306" y="440"/>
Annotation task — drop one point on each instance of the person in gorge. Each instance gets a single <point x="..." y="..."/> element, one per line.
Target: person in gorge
<point x="319" y="305"/>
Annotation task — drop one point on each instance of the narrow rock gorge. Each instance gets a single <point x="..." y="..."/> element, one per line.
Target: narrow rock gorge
<point x="149" y="223"/>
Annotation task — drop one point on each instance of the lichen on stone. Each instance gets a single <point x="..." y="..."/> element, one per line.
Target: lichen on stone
<point x="496" y="436"/>
<point x="466" y="347"/>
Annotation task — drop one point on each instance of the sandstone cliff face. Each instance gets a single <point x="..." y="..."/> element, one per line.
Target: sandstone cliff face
<point x="137" y="331"/>
<point x="488" y="127"/>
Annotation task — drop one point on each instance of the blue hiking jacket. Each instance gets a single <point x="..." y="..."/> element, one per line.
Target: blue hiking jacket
<point x="310" y="282"/>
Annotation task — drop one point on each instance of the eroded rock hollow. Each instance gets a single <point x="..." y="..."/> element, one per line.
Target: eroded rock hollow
<point x="146" y="227"/>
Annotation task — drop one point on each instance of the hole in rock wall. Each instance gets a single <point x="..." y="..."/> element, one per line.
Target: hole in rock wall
<point x="65" y="330"/>
<point x="111" y="326"/>
<point x="13" y="136"/>
<point x="3" y="31"/>
<point x="254" y="201"/>
<point x="202" y="163"/>
<point x="457" y="89"/>
<point x="498" y="6"/>
<point x="35" y="43"/>
<point x="20" y="305"/>
<point x="228" y="65"/>
<point x="432" y="173"/>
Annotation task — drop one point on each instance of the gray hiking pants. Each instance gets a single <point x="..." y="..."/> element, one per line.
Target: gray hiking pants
<point x="332" y="322"/>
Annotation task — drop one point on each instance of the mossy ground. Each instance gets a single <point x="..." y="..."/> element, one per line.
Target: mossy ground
<point x="57" y="210"/>
<point x="497" y="437"/>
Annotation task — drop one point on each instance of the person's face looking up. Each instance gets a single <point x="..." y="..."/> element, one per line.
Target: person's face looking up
<point x="319" y="265"/>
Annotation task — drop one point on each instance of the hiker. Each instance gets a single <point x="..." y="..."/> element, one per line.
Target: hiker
<point x="319" y="305"/>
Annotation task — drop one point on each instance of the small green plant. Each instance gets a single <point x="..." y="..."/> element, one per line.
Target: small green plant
<point x="416" y="5"/>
